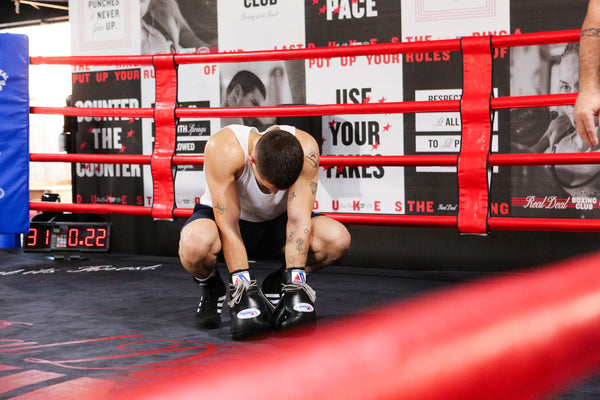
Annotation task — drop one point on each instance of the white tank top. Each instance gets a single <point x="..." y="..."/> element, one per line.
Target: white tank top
<point x="256" y="206"/>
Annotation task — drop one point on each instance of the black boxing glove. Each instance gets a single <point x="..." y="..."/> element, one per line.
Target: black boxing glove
<point x="297" y="304"/>
<point x="250" y="315"/>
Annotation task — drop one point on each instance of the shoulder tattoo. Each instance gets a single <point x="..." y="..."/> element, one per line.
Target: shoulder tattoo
<point x="220" y="208"/>
<point x="312" y="159"/>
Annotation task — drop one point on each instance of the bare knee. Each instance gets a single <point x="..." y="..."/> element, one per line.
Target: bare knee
<point x="339" y="242"/>
<point x="330" y="242"/>
<point x="198" y="249"/>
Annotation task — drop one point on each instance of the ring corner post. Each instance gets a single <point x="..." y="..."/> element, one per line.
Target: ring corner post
<point x="14" y="138"/>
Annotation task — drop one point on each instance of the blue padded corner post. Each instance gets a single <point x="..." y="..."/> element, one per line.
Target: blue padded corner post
<point x="14" y="135"/>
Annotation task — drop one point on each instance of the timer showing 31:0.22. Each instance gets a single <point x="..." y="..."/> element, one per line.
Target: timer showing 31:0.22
<point x="67" y="236"/>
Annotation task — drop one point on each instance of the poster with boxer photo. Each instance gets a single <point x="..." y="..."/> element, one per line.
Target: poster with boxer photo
<point x="181" y="26"/>
<point x="197" y="86"/>
<point x="570" y="191"/>
<point x="260" y="25"/>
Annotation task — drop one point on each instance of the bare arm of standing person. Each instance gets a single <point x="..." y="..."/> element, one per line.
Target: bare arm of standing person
<point x="587" y="105"/>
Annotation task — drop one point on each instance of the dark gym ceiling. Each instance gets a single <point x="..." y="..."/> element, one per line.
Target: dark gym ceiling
<point x="32" y="12"/>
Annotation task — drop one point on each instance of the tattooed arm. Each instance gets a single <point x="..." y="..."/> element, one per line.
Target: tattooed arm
<point x="301" y="198"/>
<point x="223" y="161"/>
<point x="588" y="100"/>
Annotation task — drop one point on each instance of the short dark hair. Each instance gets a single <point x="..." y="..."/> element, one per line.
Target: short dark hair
<point x="279" y="158"/>
<point x="248" y="81"/>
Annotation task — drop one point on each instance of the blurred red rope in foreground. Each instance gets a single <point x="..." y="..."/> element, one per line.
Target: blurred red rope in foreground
<point x="523" y="336"/>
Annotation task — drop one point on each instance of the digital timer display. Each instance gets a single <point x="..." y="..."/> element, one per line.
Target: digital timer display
<point x="67" y="236"/>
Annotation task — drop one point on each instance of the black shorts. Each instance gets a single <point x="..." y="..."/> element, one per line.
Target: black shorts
<point x="263" y="240"/>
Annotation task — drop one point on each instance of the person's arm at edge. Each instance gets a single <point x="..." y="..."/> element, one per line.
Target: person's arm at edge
<point x="587" y="105"/>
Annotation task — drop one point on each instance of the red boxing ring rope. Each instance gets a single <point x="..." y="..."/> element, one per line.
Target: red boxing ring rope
<point x="167" y="209"/>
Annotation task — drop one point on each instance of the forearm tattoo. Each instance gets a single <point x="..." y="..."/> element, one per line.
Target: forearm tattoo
<point x="313" y="187"/>
<point x="292" y="196"/>
<point x="312" y="159"/>
<point x="220" y="208"/>
<point x="298" y="243"/>
<point x="590" y="32"/>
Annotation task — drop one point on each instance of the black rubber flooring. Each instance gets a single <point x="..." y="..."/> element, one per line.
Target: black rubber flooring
<point x="85" y="328"/>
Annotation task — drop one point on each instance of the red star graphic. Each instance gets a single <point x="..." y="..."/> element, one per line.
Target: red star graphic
<point x="122" y="149"/>
<point x="340" y="169"/>
<point x="131" y="120"/>
<point x="332" y="123"/>
<point x="130" y="133"/>
<point x="323" y="140"/>
<point x="367" y="100"/>
<point x="325" y="169"/>
<point x="323" y="9"/>
<point x="337" y="10"/>
<point x="382" y="100"/>
<point x="375" y="146"/>
<point x="86" y="166"/>
<point x="387" y="127"/>
<point x="315" y="2"/>
<point x="91" y="130"/>
<point x="97" y="167"/>
<point x="82" y="146"/>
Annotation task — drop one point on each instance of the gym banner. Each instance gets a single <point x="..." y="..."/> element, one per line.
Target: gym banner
<point x="431" y="76"/>
<point x="14" y="133"/>
<point x="187" y="26"/>
<point x="108" y="183"/>
<point x="357" y="80"/>
<point x="246" y="25"/>
<point x="366" y="189"/>
<point x="105" y="27"/>
<point x="332" y="23"/>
